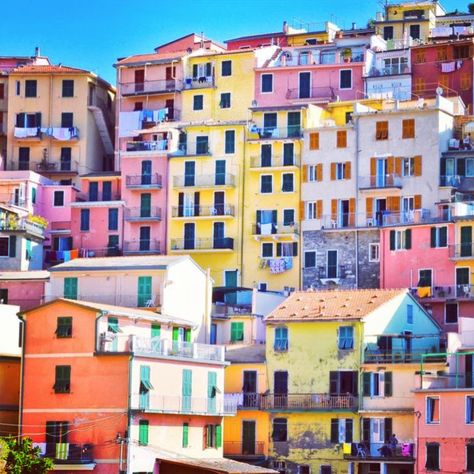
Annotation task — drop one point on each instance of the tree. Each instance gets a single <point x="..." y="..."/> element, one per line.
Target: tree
<point x="22" y="457"/>
<point x="470" y="7"/>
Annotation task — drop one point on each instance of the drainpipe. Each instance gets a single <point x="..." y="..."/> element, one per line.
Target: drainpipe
<point x="242" y="210"/>
<point x="129" y="418"/>
<point x="22" y="377"/>
<point x="356" y="125"/>
<point x="50" y="113"/>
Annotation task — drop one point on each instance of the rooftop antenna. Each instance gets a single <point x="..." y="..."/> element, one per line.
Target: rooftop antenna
<point x="202" y="39"/>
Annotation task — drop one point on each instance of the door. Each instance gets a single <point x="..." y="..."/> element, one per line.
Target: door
<point x="269" y="124"/>
<point x="107" y="191"/>
<point x="56" y="432"/>
<point x="219" y="205"/>
<point x="219" y="235"/>
<point x="139" y="80"/>
<point x="146" y="172"/>
<point x="250" y="388"/>
<point x="144" y="291"/>
<point x="248" y="437"/>
<point x="145" y="205"/>
<point x="189" y="173"/>
<point x="213" y="336"/>
<point x="408" y="206"/>
<point x="305" y="85"/>
<point x="170" y="75"/>
<point x="449" y="171"/>
<point x="220" y="172"/>
<point x="343" y="220"/>
<point x="230" y="279"/>
<point x="280" y="389"/>
<point x="266" y="156"/>
<point x="189" y="235"/>
<point x="169" y="104"/>
<point x="380" y="176"/>
<point x="380" y="208"/>
<point x="93" y="191"/>
<point x="294" y="124"/>
<point x="144" y="239"/>
<point x="331" y="271"/>
<point x="466" y="241"/>
<point x="463" y="288"/>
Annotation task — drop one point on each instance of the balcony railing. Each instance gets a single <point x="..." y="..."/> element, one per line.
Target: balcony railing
<point x="225" y="243"/>
<point x="128" y="300"/>
<point x="273" y="161"/>
<point x="59" y="166"/>
<point x="153" y="145"/>
<point x="150" y="87"/>
<point x="98" y="197"/>
<point x="463" y="250"/>
<point x="27" y="133"/>
<point x="308" y="401"/>
<point x="144" y="181"/>
<point x="100" y="252"/>
<point x="390" y="180"/>
<point x="389" y="70"/>
<point x="69" y="453"/>
<point x="223" y="310"/>
<point x="275" y="228"/>
<point x="415" y="216"/>
<point x="269" y="133"/>
<point x="193" y="149"/>
<point x="246" y="400"/>
<point x="314" y="93"/>
<point x="143" y="214"/>
<point x="384" y="452"/>
<point x="204" y="181"/>
<point x="198" y="82"/>
<point x="332" y="272"/>
<point x="340" y="221"/>
<point x="22" y="225"/>
<point x="142" y="246"/>
<point x="242" y="449"/>
<point x="203" y="211"/>
<point x="396" y="356"/>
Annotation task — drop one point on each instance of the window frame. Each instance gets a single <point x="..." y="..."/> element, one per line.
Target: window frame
<point x="225" y="104"/>
<point x="313" y="253"/>
<point x="266" y="245"/>
<point x="29" y="83"/>
<point x="283" y="175"/>
<point x="381" y="130"/>
<point x="282" y="346"/>
<point x="445" y="312"/>
<point x="377" y="246"/>
<point x="408" y="129"/>
<point x="85" y="228"/>
<point x="228" y="73"/>
<point x="261" y="83"/>
<point x="340" y="338"/>
<point x="225" y="142"/>
<point x="340" y="79"/>
<point x="428" y="422"/>
<point x="69" y="88"/>
<point x="195" y="104"/>
<point x="271" y="183"/>
<point x="466" y="420"/>
<point x="62" y="384"/>
<point x="63" y="327"/>
<point x="58" y="192"/>
<point x="438" y="469"/>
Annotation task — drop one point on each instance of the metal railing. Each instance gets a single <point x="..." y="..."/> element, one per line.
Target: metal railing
<point x="22" y="225"/>
<point x="403" y="451"/>
<point x="447" y="291"/>
<point x="98" y="197"/>
<point x="308" y="401"/>
<point x="275" y="228"/>
<point x="223" y="310"/>
<point x="193" y="149"/>
<point x="389" y="70"/>
<point x="144" y="181"/>
<point x="336" y="271"/>
<point x="395" y="356"/>
<point x="239" y="448"/>
<point x="268" y="133"/>
<point x="340" y="221"/>
<point x="318" y="93"/>
<point x="204" y="181"/>
<point x="151" y="246"/>
<point x="100" y="252"/>
<point x="203" y="211"/>
<point x="389" y="180"/>
<point x="12" y="200"/>
<point x="57" y="166"/>
<point x="415" y="216"/>
<point x="142" y="214"/>
<point x="149" y="145"/>
<point x="273" y="161"/>
<point x="245" y="400"/>
<point x="150" y="87"/>
<point x="68" y="453"/>
<point x="225" y="243"/>
<point x="198" y="82"/>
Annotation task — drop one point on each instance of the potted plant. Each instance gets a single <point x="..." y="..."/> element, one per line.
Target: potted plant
<point x="346" y="55"/>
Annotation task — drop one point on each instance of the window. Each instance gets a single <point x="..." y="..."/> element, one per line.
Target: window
<point x="67" y="119"/>
<point x="374" y="252"/>
<point x="70" y="288"/>
<point x="415" y="31"/>
<point x="266" y="184"/>
<point x="68" y="88"/>
<point x="400" y="239"/>
<point x="312" y="173"/>
<point x="2" y="91"/>
<point x="281" y="339"/>
<point x="287" y="249"/>
<point x="198" y="102"/>
<point x="230" y="141"/>
<point x="280" y="429"/>
<point x="288" y="217"/>
<point x="377" y="384"/>
<point x="409" y="314"/>
<point x="65" y="158"/>
<point x="419" y="56"/>
<point x="387" y="33"/>
<point x="314" y="209"/>
<point x="442" y="54"/>
<point x="143" y="428"/>
<point x="185" y="442"/>
<point x="202" y="145"/>
<point x="267" y="250"/>
<point x="326" y="469"/>
<point x="346" y="338"/>
<point x="310" y="259"/>
<point x="341" y="141"/>
<point x="341" y="430"/>
<point x="425" y="278"/>
<point x="64" y="327"/>
<point x="432" y="410"/>
<point x="226" y="68"/>
<point x="470" y="457"/>
<point x="58" y="199"/>
<point x="137" y="106"/>
<point x="408" y="128"/>
<point x="340" y="170"/>
<point x="62" y="383"/>
<point x="213" y="436"/>
<point x="314" y="141"/>
<point x="408" y="166"/>
<point x="85" y="215"/>
<point x="287" y="182"/>
<point x="236" y="331"/>
<point x="451" y="310"/>
<point x="461" y="52"/>
<point x="466" y="81"/>
<point x="23" y="158"/>
<point x="17" y="87"/>
<point x="113" y="219"/>
<point x="345" y="79"/>
<point x="439" y="237"/>
<point x="33" y="195"/>
<point x="432" y="457"/>
<point x="469" y="409"/>
<point x="30" y="88"/>
<point x="267" y="83"/>
<point x="381" y="130"/>
<point x="225" y="100"/>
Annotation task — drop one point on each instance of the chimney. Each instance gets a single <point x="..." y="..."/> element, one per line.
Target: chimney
<point x="285" y="27"/>
<point x="37" y="51"/>
<point x="353" y="25"/>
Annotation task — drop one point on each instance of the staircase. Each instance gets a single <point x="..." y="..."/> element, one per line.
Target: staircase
<point x="103" y="129"/>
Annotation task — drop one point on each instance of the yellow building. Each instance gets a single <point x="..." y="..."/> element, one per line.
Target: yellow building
<point x="60" y="121"/>
<point x="206" y="174"/>
<point x="462" y="251"/>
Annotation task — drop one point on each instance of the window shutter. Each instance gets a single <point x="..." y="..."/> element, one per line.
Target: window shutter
<point x="259" y="217"/>
<point x="366" y="429"/>
<point x="408" y="239"/>
<point x="333" y="171"/>
<point x="218" y="436"/>
<point x="305" y="174"/>
<point x="369" y="202"/>
<point x="274" y="216"/>
<point x="204" y="437"/>
<point x="395" y="203"/>
<point x="333" y="208"/>
<point x="352" y="211"/>
<point x="390" y="165"/>
<point x="433" y="237"/>
<point x="388" y="384"/>
<point x="366" y="376"/>
<point x="278" y="251"/>
<point x="20" y="120"/>
<point x="295" y="249"/>
<point x="314" y="141"/>
<point x="185" y="435"/>
<point x="417" y="165"/>
<point x="347" y="170"/>
<point x="387" y="429"/>
<point x="392" y="240"/>
<point x="319" y="172"/>
<point x="443" y="236"/>
<point x="333" y="383"/>
<point x="319" y="209"/>
<point x="398" y="165"/>
<point x="417" y="201"/>
<point x="349" y="430"/>
<point x="12" y="246"/>
<point x="355" y="383"/>
<point x="373" y="169"/>
<point x="461" y="167"/>
<point x="196" y="203"/>
<point x="334" y="430"/>
<point x="302" y="207"/>
<point x="38" y="119"/>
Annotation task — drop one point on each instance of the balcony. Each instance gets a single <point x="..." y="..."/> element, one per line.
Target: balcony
<point x="204" y="181"/>
<point x="22" y="225"/>
<point x="308" y="402"/>
<point x="198" y="82"/>
<point x="68" y="453"/>
<point x="393" y="70"/>
<point x="144" y="181"/>
<point x="193" y="149"/>
<point x="165" y="86"/>
<point x="461" y="251"/>
<point x="182" y="405"/>
<point x="333" y="273"/>
<point x="273" y="162"/>
<point x="27" y="133"/>
<point x="224" y="244"/>
<point x="239" y="450"/>
<point x="59" y="166"/>
<point x="415" y="216"/>
<point x="275" y="229"/>
<point x="128" y="300"/>
<point x="397" y="356"/>
<point x="143" y="246"/>
<point x="218" y="210"/>
<point x="383" y="452"/>
<point x="381" y="181"/>
<point x="341" y="221"/>
<point x="140" y="214"/>
<point x="151" y="146"/>
<point x="322" y="94"/>
<point x="100" y="252"/>
<point x="97" y="197"/>
<point x="275" y="133"/>
<point x="246" y="400"/>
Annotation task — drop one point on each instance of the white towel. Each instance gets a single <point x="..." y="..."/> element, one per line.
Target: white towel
<point x="20" y="132"/>
<point x="266" y="229"/>
<point x="32" y="131"/>
<point x="128" y="122"/>
<point x="448" y="67"/>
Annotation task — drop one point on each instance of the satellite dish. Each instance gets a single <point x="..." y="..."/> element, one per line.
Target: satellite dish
<point x="439" y="91"/>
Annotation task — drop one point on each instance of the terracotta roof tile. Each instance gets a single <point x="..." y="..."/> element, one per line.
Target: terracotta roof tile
<point x="138" y="58"/>
<point x="331" y="304"/>
<point x="38" y="69"/>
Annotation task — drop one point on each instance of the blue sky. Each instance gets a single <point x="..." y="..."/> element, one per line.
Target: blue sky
<point x="92" y="34"/>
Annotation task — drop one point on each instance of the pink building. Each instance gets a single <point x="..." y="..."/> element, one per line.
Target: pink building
<point x="97" y="216"/>
<point x="24" y="289"/>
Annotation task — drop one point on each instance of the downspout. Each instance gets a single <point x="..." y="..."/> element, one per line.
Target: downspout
<point x="129" y="416"/>
<point x="22" y="377"/>
<point x="50" y="112"/>
<point x="356" y="124"/>
<point x="242" y="209"/>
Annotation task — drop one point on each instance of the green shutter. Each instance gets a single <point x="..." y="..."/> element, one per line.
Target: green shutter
<point x="211" y="391"/>
<point x="187" y="389"/>
<point x="175" y="333"/>
<point x="209" y="436"/>
<point x="433" y="237"/>
<point x="366" y="382"/>
<point x="144" y="290"/>
<point x="185" y="435"/>
<point x="443" y="236"/>
<point x="388" y="384"/>
<point x="392" y="240"/>
<point x="70" y="288"/>
<point x="155" y="330"/>
<point x="145" y="386"/>
<point x="237" y="331"/>
<point x="143" y="432"/>
<point x="187" y="335"/>
<point x="63" y="379"/>
<point x="113" y="325"/>
<point x="218" y="430"/>
<point x="408" y="239"/>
